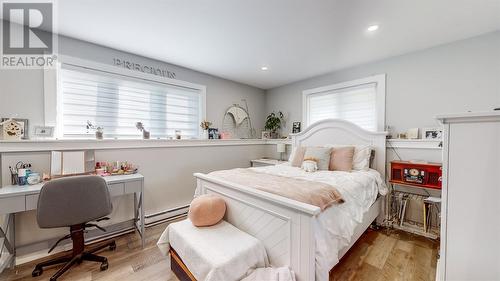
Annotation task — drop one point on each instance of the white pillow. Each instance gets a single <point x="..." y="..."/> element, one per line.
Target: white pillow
<point x="361" y="158"/>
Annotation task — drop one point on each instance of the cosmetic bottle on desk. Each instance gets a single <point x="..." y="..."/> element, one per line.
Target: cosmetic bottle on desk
<point x="22" y="177"/>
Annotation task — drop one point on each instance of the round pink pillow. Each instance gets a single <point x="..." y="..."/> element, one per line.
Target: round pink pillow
<point x="207" y="210"/>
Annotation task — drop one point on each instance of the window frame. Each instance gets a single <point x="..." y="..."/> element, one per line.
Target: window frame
<point x="378" y="79"/>
<point x="53" y="88"/>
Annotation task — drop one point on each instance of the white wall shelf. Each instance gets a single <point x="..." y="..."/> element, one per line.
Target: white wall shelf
<point x="82" y="144"/>
<point x="414" y="144"/>
<point x="276" y="141"/>
<point x="78" y="144"/>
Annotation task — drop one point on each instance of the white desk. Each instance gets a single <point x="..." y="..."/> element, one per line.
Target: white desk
<point x="15" y="199"/>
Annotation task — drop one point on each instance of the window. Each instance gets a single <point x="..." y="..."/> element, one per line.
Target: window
<point x="361" y="102"/>
<point x="117" y="102"/>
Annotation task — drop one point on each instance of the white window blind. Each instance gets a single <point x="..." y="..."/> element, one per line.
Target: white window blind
<point x="117" y="102"/>
<point x="357" y="101"/>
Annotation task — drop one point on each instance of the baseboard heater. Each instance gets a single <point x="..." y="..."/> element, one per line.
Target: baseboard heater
<point x="39" y="249"/>
<point x="165" y="216"/>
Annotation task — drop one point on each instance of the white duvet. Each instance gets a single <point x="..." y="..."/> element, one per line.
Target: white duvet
<point x="335" y="226"/>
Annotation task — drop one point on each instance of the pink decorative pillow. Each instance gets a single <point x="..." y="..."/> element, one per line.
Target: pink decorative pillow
<point x="341" y="159"/>
<point x="207" y="210"/>
<point x="298" y="157"/>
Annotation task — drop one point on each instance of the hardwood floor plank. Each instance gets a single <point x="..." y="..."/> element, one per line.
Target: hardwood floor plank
<point x="382" y="255"/>
<point x="394" y="268"/>
<point x="380" y="251"/>
<point x="404" y="246"/>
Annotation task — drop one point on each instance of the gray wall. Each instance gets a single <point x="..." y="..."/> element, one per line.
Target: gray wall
<point x="168" y="178"/>
<point x="457" y="77"/>
<point x="21" y="91"/>
<point x="168" y="172"/>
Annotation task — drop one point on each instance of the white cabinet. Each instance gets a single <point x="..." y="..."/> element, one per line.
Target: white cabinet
<point x="470" y="229"/>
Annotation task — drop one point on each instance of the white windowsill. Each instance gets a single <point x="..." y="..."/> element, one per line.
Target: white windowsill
<point x="79" y="144"/>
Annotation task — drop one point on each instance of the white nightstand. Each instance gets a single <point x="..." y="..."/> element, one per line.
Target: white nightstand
<point x="266" y="162"/>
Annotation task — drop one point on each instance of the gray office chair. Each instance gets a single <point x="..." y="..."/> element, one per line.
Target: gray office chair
<point x="73" y="202"/>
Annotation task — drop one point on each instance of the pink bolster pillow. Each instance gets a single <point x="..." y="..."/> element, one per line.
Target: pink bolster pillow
<point x="341" y="159"/>
<point x="207" y="210"/>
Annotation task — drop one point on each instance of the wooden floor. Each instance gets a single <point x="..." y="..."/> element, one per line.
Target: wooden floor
<point x="378" y="255"/>
<point x="388" y="255"/>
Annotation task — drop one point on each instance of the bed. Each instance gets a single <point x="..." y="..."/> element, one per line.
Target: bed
<point x="299" y="235"/>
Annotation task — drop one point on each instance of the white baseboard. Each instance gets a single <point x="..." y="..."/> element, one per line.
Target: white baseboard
<point x="34" y="251"/>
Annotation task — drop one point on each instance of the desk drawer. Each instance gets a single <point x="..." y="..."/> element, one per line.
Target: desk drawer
<point x="132" y="186"/>
<point x="31" y="202"/>
<point x="116" y="189"/>
<point x="12" y="204"/>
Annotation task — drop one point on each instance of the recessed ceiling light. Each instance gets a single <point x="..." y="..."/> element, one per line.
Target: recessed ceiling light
<point x="372" y="28"/>
<point x="264" y="68"/>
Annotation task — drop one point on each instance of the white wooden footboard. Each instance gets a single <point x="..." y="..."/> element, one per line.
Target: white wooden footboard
<point x="284" y="226"/>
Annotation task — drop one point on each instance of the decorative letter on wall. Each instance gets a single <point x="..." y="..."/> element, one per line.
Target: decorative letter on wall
<point x="144" y="68"/>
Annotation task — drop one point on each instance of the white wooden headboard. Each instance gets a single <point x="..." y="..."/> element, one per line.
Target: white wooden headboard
<point x="341" y="132"/>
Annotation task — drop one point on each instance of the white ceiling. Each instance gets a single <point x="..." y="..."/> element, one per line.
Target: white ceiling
<point x="296" y="39"/>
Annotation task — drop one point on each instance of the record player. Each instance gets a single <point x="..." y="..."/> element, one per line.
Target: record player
<point x="420" y="174"/>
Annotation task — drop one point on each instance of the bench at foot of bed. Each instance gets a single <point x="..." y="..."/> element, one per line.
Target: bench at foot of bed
<point x="179" y="268"/>
<point x="213" y="253"/>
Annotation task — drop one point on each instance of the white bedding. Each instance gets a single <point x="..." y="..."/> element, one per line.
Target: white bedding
<point x="335" y="226"/>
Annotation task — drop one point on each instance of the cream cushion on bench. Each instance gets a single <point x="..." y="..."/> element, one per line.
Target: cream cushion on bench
<point x="218" y="252"/>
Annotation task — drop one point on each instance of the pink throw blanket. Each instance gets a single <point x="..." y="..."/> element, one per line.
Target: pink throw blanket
<point x="314" y="193"/>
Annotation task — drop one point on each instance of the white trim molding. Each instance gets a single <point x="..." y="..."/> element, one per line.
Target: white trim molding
<point x="79" y="144"/>
<point x="469" y="117"/>
<point x="107" y="144"/>
<point x="415" y="144"/>
<point x="378" y="79"/>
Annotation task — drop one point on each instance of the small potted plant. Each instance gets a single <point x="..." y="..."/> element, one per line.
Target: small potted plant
<point x="145" y="134"/>
<point x="205" y="125"/>
<point x="99" y="131"/>
<point x="273" y="123"/>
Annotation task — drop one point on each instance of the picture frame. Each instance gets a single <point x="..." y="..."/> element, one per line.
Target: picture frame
<point x="24" y="126"/>
<point x="296" y="127"/>
<point x="412" y="133"/>
<point x="213" y="133"/>
<point x="432" y="133"/>
<point x="266" y="135"/>
<point x="43" y="132"/>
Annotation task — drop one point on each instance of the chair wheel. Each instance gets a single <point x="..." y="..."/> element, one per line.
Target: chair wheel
<point x="37" y="272"/>
<point x="112" y="247"/>
<point x="104" y="266"/>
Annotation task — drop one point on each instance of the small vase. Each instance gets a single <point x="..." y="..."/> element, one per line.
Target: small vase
<point x="99" y="135"/>
<point x="204" y="135"/>
<point x="146" y="135"/>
